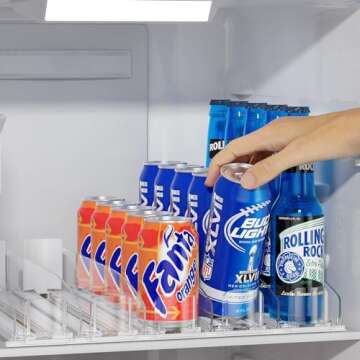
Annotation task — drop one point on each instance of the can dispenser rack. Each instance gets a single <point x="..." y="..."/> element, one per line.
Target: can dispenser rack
<point x="61" y="313"/>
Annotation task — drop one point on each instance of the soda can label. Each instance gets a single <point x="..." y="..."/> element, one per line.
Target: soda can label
<point x="98" y="248"/>
<point x="168" y="270"/>
<point x="146" y="183"/>
<point x="300" y="254"/>
<point x="84" y="245"/>
<point x="113" y="254"/>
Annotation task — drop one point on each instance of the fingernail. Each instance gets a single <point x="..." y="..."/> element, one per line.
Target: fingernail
<point x="248" y="181"/>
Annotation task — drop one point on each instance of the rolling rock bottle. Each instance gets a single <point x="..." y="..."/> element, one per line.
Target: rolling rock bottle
<point x="297" y="249"/>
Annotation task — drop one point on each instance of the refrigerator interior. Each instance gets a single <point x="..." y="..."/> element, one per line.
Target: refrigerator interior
<point x="87" y="103"/>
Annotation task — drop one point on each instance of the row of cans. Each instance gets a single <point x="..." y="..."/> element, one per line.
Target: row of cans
<point x="229" y="120"/>
<point x="232" y="225"/>
<point x="141" y="258"/>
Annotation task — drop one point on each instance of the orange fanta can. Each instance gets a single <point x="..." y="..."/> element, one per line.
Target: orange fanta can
<point x="169" y="272"/>
<point x="98" y="244"/>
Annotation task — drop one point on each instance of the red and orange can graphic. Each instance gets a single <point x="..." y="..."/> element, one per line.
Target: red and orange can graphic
<point x="168" y="270"/>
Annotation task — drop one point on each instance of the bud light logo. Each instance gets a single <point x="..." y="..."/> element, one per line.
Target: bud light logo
<point x="241" y="228"/>
<point x="161" y="279"/>
<point x="115" y="265"/>
<point x="85" y="252"/>
<point x="100" y="258"/>
<point x="131" y="273"/>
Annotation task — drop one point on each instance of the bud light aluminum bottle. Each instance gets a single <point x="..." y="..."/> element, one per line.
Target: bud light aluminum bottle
<point x="232" y="261"/>
<point x="179" y="189"/>
<point x="163" y="182"/>
<point x="235" y="125"/>
<point x="130" y="251"/>
<point x="113" y="247"/>
<point x="98" y="243"/>
<point x="168" y="272"/>
<point x="218" y="117"/>
<point x="257" y="117"/>
<point x="298" y="111"/>
<point x="276" y="111"/>
<point x="146" y="182"/>
<point x="297" y="249"/>
<point x="199" y="202"/>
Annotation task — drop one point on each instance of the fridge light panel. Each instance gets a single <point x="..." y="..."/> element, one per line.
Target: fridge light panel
<point x="128" y="10"/>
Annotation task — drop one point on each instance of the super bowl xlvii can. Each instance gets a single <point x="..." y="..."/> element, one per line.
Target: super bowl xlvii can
<point x="163" y="182"/>
<point x="179" y="189"/>
<point x="239" y="221"/>
<point x="146" y="182"/>
<point x="199" y="202"/>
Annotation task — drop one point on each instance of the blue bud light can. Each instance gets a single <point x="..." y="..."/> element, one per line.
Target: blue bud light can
<point x="218" y="117"/>
<point x="235" y="125"/>
<point x="276" y="111"/>
<point x="146" y="182"/>
<point x="233" y="255"/>
<point x="199" y="202"/>
<point x="257" y="117"/>
<point x="298" y="111"/>
<point x="179" y="189"/>
<point x="163" y="182"/>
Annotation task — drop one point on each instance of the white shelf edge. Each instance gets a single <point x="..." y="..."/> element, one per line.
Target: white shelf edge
<point x="186" y="341"/>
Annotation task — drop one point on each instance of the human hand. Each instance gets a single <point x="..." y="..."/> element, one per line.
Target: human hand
<point x="288" y="142"/>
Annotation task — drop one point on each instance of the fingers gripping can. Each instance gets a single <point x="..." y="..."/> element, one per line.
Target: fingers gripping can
<point x="232" y="261"/>
<point x="168" y="272"/>
<point x="98" y="243"/>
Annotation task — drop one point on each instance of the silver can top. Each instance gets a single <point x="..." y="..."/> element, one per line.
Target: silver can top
<point x="234" y="171"/>
<point x="155" y="162"/>
<point x="201" y="172"/>
<point x="149" y="212"/>
<point x="171" y="164"/>
<point x="187" y="168"/>
<point x="125" y="206"/>
<point x="169" y="219"/>
<point x="110" y="200"/>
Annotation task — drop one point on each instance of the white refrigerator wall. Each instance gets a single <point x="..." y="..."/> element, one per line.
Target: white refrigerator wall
<point x="68" y="138"/>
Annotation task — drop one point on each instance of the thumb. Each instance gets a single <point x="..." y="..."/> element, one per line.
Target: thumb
<point x="267" y="169"/>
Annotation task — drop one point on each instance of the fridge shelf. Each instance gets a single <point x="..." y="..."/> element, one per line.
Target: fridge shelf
<point x="43" y="309"/>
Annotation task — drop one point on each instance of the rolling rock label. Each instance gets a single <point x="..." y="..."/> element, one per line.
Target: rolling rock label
<point x="215" y="146"/>
<point x="300" y="255"/>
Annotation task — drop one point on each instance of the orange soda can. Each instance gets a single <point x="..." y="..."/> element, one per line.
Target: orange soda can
<point x="130" y="250"/>
<point x="169" y="272"/>
<point x="83" y="253"/>
<point x="113" y="252"/>
<point x="98" y="243"/>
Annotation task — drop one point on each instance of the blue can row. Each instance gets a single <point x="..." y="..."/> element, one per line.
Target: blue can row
<point x="229" y="120"/>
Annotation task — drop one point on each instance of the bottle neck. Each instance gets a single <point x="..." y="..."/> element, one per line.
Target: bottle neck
<point x="298" y="183"/>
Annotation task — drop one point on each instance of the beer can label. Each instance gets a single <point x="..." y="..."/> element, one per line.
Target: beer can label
<point x="299" y="254"/>
<point x="144" y="193"/>
<point x="215" y="146"/>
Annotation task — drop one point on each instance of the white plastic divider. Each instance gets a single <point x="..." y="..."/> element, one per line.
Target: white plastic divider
<point x="38" y="314"/>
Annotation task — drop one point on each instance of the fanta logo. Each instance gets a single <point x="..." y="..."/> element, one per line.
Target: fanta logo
<point x="160" y="279"/>
<point x="131" y="274"/>
<point x="100" y="258"/>
<point x="115" y="265"/>
<point x="241" y="228"/>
